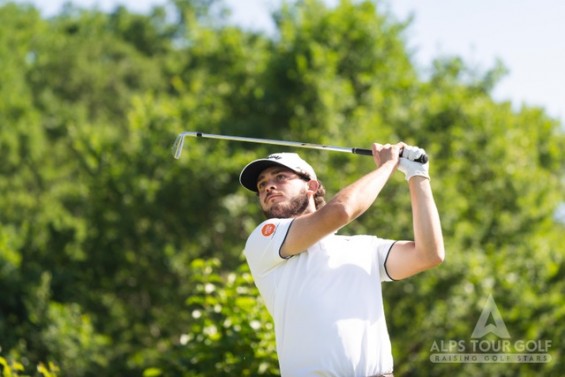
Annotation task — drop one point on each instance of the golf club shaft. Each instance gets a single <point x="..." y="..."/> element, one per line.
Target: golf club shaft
<point x="179" y="143"/>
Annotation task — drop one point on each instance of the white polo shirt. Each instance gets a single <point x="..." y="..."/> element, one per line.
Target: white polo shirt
<point x="326" y="302"/>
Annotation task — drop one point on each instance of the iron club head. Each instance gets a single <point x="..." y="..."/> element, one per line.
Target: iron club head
<point x="177" y="146"/>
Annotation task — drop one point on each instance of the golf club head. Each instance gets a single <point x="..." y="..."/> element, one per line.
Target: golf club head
<point x="177" y="146"/>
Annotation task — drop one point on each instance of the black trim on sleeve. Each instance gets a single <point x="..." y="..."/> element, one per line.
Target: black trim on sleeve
<point x="282" y="243"/>
<point x="386" y="259"/>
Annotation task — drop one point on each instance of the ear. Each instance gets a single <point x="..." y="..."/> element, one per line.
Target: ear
<point x="313" y="185"/>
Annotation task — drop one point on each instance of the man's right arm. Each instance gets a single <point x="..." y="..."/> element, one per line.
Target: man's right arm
<point x="350" y="203"/>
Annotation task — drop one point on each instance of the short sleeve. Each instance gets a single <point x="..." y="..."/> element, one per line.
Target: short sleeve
<point x="383" y="249"/>
<point x="262" y="249"/>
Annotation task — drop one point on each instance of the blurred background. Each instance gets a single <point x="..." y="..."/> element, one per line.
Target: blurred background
<point x="116" y="259"/>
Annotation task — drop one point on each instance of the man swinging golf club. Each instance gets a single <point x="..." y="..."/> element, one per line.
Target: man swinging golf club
<point x="323" y="290"/>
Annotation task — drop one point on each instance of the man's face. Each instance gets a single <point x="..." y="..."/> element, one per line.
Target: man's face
<point x="282" y="192"/>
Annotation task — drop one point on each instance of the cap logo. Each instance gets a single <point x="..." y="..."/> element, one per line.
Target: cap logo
<point x="274" y="157"/>
<point x="268" y="229"/>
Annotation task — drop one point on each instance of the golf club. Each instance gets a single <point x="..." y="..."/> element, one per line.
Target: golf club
<point x="179" y="143"/>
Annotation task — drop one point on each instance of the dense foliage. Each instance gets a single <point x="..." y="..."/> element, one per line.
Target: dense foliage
<point x="116" y="259"/>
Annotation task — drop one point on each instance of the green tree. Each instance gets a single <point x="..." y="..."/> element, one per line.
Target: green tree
<point x="110" y="249"/>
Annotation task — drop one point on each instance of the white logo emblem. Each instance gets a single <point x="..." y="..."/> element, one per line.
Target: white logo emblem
<point x="484" y="326"/>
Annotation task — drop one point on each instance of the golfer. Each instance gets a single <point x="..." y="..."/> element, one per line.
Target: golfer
<point x="323" y="290"/>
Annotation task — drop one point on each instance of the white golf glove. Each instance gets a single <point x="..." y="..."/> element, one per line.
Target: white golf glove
<point x="411" y="168"/>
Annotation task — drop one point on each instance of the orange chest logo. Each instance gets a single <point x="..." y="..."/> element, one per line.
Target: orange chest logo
<point x="268" y="229"/>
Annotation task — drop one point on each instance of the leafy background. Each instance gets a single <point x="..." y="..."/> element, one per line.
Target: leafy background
<point x="116" y="259"/>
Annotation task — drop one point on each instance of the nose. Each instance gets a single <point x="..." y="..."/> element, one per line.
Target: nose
<point x="270" y="185"/>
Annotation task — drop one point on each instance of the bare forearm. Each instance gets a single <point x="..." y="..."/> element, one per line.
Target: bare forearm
<point x="356" y="198"/>
<point x="345" y="207"/>
<point x="427" y="226"/>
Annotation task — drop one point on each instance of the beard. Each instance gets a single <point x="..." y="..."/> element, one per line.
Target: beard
<point x="286" y="210"/>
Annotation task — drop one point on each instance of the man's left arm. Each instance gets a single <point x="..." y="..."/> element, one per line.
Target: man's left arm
<point x="407" y="258"/>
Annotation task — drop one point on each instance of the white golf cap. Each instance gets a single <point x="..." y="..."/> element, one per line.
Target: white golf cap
<point x="250" y="173"/>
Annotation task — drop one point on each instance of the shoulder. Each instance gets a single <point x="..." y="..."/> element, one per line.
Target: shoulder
<point x="271" y="231"/>
<point x="270" y="227"/>
<point x="262" y="249"/>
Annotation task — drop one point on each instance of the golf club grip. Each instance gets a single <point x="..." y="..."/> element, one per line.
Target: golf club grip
<point x="367" y="152"/>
